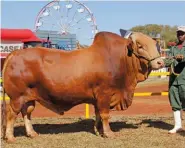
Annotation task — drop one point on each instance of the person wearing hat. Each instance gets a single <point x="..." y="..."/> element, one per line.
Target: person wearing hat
<point x="176" y="61"/>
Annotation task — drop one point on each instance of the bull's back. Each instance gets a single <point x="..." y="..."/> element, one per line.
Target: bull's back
<point x="56" y="72"/>
<point x="69" y="73"/>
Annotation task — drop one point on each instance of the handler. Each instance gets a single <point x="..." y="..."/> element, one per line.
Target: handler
<point x="177" y="78"/>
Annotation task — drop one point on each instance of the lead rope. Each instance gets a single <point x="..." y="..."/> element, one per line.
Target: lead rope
<point x="172" y="70"/>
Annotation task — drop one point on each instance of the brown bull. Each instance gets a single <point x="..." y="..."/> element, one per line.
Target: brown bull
<point x="105" y="75"/>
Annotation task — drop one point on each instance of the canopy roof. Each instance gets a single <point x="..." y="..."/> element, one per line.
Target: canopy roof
<point x="23" y="35"/>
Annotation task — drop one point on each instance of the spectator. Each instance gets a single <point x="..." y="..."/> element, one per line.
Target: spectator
<point x="158" y="47"/>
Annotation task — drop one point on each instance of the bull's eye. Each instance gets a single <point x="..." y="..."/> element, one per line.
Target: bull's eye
<point x="142" y="51"/>
<point x="139" y="45"/>
<point x="143" y="48"/>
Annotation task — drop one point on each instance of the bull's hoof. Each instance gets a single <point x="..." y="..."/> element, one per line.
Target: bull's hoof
<point x="10" y="140"/>
<point x="3" y="131"/>
<point x="108" y="134"/>
<point x="32" y="134"/>
<point x="98" y="131"/>
<point x="61" y="113"/>
<point x="2" y="135"/>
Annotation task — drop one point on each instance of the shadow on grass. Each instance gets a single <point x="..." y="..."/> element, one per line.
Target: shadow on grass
<point x="157" y="124"/>
<point x="160" y="125"/>
<point x="80" y="126"/>
<point x="182" y="133"/>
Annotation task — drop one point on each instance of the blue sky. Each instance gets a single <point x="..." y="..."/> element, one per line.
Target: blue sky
<point x="110" y="16"/>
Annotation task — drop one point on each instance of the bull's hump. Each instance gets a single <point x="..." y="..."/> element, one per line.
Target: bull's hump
<point x="104" y="34"/>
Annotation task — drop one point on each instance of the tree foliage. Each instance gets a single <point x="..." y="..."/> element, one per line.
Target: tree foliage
<point x="166" y="32"/>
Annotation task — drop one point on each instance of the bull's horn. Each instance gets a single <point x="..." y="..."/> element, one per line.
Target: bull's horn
<point x="125" y="33"/>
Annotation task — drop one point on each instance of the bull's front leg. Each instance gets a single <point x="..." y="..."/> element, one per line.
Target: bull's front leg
<point x="103" y="106"/>
<point x="107" y="132"/>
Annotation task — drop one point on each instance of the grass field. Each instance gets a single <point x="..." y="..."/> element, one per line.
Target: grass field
<point x="131" y="132"/>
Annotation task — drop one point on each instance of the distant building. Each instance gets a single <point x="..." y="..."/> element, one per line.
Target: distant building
<point x="66" y="42"/>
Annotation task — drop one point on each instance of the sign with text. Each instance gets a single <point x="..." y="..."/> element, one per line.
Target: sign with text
<point x="7" y="48"/>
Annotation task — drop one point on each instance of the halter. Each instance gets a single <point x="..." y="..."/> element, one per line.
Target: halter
<point x="142" y="57"/>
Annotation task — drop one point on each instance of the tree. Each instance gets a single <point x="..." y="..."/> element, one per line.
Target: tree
<point x="167" y="33"/>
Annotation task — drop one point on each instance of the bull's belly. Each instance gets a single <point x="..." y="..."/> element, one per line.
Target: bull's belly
<point x="60" y="106"/>
<point x="60" y="100"/>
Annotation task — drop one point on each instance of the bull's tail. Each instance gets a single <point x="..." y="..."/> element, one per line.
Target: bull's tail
<point x="3" y="101"/>
<point x="3" y="115"/>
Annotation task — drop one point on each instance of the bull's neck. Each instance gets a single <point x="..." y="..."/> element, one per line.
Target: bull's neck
<point x="126" y="68"/>
<point x="140" y="69"/>
<point x="134" y="70"/>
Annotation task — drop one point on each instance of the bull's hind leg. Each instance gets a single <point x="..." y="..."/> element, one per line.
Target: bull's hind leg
<point x="12" y="110"/>
<point x="98" y="124"/>
<point x="26" y="113"/>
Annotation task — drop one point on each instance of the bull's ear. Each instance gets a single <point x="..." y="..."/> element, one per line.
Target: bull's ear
<point x="125" y="33"/>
